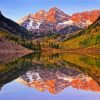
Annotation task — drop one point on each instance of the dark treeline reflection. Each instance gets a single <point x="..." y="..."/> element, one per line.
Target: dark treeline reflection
<point x="61" y="70"/>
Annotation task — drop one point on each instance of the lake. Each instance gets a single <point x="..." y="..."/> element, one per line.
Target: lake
<point x="47" y="76"/>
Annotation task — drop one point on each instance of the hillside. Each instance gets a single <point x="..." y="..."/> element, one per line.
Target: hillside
<point x="89" y="37"/>
<point x="13" y="27"/>
<point x="12" y="48"/>
<point x="13" y="36"/>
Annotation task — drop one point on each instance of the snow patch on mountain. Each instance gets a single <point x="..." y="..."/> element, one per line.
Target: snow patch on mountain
<point x="70" y="22"/>
<point x="33" y="25"/>
<point x="55" y="19"/>
<point x="64" y="24"/>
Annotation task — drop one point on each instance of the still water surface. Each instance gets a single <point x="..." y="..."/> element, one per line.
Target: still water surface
<point x="50" y="77"/>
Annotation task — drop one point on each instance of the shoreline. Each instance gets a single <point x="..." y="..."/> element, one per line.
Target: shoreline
<point x="8" y="55"/>
<point x="90" y="50"/>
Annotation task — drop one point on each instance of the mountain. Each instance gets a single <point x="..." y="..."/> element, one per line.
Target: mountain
<point x="45" y="24"/>
<point x="56" y="21"/>
<point x="13" y="27"/>
<point x="83" y="41"/>
<point x="44" y="21"/>
<point x="84" y="19"/>
<point x="55" y="15"/>
<point x="11" y="34"/>
<point x="69" y="29"/>
<point x="87" y="38"/>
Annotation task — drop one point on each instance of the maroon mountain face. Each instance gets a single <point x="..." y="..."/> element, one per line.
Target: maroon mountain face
<point x="56" y="20"/>
<point x="44" y="21"/>
<point x="39" y="16"/>
<point x="55" y="15"/>
<point x="85" y="18"/>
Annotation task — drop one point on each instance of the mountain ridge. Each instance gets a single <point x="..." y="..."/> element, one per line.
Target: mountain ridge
<point x="55" y="20"/>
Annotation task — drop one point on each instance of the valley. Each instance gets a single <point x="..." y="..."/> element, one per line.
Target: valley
<point x="74" y="34"/>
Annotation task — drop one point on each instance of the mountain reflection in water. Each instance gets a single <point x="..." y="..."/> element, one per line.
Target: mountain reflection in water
<point x="53" y="72"/>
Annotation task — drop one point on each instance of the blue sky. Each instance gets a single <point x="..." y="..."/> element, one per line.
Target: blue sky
<point x="16" y="9"/>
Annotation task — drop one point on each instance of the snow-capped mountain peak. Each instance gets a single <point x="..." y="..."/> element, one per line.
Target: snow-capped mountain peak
<point x="56" y="19"/>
